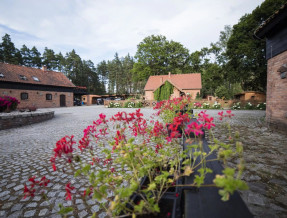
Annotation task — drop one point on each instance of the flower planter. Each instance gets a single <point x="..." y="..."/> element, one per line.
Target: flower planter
<point x="170" y="204"/>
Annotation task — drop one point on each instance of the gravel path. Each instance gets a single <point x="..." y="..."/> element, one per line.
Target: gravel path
<point x="26" y="151"/>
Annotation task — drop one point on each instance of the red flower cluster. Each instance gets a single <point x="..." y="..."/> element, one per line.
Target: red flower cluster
<point x="207" y="121"/>
<point x="30" y="191"/>
<point x="195" y="128"/>
<point x="63" y="147"/>
<point x="228" y="114"/>
<point x="69" y="190"/>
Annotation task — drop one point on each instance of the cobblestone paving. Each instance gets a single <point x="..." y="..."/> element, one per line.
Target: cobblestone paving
<point x="266" y="157"/>
<point x="26" y="151"/>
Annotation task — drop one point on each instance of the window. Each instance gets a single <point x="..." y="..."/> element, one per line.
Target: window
<point x="23" y="77"/>
<point x="24" y="96"/>
<point x="48" y="96"/>
<point x="35" y="79"/>
<point x="2" y="75"/>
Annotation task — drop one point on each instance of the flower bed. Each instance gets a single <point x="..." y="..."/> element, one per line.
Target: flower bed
<point x="8" y="104"/>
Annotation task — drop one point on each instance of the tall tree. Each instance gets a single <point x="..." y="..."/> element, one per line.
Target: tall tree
<point x="26" y="56"/>
<point x="36" y="58"/>
<point x="247" y="55"/>
<point x="49" y="59"/>
<point x="8" y="52"/>
<point x="157" y="56"/>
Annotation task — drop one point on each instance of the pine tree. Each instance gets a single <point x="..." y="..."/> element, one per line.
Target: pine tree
<point x="8" y="52"/>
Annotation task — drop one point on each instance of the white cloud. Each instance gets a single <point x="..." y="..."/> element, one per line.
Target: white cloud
<point x="97" y="29"/>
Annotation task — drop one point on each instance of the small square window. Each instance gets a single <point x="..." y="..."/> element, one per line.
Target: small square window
<point x="2" y="75"/>
<point x="24" y="96"/>
<point x="48" y="96"/>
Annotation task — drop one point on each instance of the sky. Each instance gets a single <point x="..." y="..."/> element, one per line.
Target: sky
<point x="97" y="29"/>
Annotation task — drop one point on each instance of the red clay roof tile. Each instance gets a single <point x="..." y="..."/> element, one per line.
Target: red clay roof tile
<point x="12" y="74"/>
<point x="181" y="81"/>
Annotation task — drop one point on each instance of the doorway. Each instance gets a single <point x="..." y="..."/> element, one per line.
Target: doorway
<point x="62" y="100"/>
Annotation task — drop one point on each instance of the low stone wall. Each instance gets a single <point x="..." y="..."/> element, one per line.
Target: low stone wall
<point x="17" y="119"/>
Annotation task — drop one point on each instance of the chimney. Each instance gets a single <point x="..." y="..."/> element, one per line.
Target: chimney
<point x="44" y="68"/>
<point x="161" y="79"/>
<point x="169" y="73"/>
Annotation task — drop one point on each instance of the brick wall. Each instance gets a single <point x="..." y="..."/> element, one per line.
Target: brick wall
<point x="276" y="101"/>
<point x="38" y="98"/>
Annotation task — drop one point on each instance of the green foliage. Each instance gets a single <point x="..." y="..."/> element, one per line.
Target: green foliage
<point x="246" y="55"/>
<point x="163" y="92"/>
<point x="64" y="210"/>
<point x="114" y="105"/>
<point x="8" y="52"/>
<point x="261" y="106"/>
<point x="205" y="105"/>
<point x="236" y="106"/>
<point x="216" y="105"/>
<point x="249" y="106"/>
<point x="157" y="56"/>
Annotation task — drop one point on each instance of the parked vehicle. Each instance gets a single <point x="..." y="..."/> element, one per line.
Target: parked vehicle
<point x="77" y="102"/>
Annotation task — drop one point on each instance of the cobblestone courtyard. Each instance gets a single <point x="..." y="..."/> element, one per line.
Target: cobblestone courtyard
<point x="26" y="151"/>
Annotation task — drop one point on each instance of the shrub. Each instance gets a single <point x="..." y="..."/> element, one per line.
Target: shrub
<point x="236" y="106"/>
<point x="216" y="105"/>
<point x="139" y="104"/>
<point x="205" y="105"/>
<point x="261" y="106"/>
<point x="114" y="105"/>
<point x="8" y="103"/>
<point x="249" y="106"/>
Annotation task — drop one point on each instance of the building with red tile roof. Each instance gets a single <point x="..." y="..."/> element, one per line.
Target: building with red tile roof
<point x="36" y="87"/>
<point x="184" y="84"/>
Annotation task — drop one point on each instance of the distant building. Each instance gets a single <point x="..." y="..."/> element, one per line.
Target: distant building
<point x="251" y="96"/>
<point x="36" y="87"/>
<point x="274" y="29"/>
<point x="184" y="84"/>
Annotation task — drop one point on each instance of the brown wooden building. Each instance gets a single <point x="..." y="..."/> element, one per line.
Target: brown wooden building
<point x="274" y="30"/>
<point x="184" y="84"/>
<point x="36" y="87"/>
<point x="251" y="96"/>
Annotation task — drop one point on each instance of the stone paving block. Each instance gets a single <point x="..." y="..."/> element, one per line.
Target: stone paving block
<point x="18" y="187"/>
<point x="10" y="185"/>
<point x="79" y="201"/>
<point x="45" y="203"/>
<point x="6" y="206"/>
<point x="43" y="212"/>
<point x="2" y="213"/>
<point x="16" y="207"/>
<point x="2" y="194"/>
<point x="81" y="206"/>
<point x="29" y="213"/>
<point x="33" y="204"/>
<point x="83" y="213"/>
<point x="15" y="215"/>
<point x="37" y="198"/>
<point x="95" y="208"/>
<point x="13" y="198"/>
<point x="102" y="215"/>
